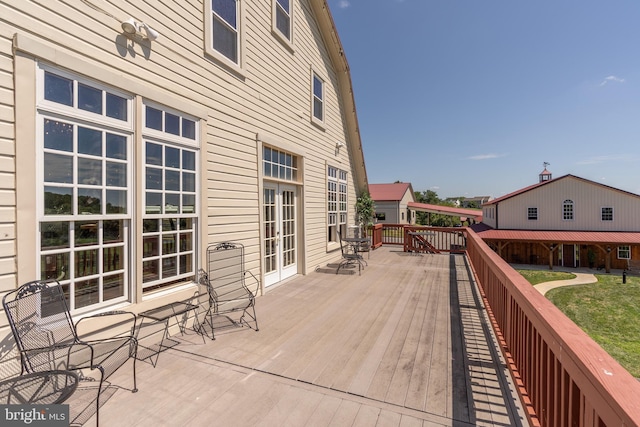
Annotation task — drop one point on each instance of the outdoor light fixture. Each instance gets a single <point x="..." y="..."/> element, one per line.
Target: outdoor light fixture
<point x="132" y="28"/>
<point x="340" y="144"/>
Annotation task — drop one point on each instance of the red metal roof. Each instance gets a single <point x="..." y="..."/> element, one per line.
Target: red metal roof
<point x="552" y="236"/>
<point x="447" y="210"/>
<point x="389" y="192"/>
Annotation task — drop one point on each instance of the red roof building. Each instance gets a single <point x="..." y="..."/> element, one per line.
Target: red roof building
<point x="392" y="202"/>
<point x="567" y="221"/>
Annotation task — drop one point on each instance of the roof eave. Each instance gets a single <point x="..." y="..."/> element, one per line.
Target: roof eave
<point x="339" y="60"/>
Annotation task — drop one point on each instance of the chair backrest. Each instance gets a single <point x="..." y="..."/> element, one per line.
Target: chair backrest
<point x="39" y="317"/>
<point x="225" y="270"/>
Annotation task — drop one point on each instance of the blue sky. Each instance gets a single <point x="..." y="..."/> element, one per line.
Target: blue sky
<point x="470" y="97"/>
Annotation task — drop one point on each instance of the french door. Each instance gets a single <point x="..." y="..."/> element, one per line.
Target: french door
<point x="280" y="236"/>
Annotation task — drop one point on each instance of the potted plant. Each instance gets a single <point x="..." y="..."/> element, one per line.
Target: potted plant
<point x="591" y="257"/>
<point x="365" y="210"/>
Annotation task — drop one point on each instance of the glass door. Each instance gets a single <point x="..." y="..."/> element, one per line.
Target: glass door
<point x="280" y="235"/>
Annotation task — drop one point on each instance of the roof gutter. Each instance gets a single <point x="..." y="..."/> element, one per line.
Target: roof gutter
<point x="339" y="60"/>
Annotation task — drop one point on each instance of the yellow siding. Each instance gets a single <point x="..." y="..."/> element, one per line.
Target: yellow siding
<point x="272" y="98"/>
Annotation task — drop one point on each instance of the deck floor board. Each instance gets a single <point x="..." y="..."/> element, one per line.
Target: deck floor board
<point x="405" y="343"/>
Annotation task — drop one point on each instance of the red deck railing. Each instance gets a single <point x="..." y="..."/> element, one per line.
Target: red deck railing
<point x="564" y="378"/>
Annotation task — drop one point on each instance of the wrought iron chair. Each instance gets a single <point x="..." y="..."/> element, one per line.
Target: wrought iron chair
<point x="38" y="388"/>
<point x="222" y="290"/>
<point x="349" y="257"/>
<point x="47" y="339"/>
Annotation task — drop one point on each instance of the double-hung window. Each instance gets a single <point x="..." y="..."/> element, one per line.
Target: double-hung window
<point x="84" y="187"/>
<point x="170" y="206"/>
<point x="532" y="214"/>
<point x="336" y="203"/>
<point x="317" y="96"/>
<point x="224" y="35"/>
<point x="624" y="252"/>
<point x="282" y="19"/>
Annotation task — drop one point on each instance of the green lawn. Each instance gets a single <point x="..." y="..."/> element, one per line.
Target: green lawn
<point x="539" y="276"/>
<point x="609" y="312"/>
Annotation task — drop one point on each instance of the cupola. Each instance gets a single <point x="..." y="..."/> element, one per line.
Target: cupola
<point x="545" y="175"/>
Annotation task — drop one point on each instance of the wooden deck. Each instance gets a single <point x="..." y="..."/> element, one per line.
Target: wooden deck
<point x="404" y="344"/>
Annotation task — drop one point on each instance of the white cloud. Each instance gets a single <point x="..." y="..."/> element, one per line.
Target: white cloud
<point x="485" y="156"/>
<point x="343" y="4"/>
<point x="603" y="159"/>
<point x="613" y="79"/>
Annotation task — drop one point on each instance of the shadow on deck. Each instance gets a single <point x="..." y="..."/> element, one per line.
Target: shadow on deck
<point x="405" y="343"/>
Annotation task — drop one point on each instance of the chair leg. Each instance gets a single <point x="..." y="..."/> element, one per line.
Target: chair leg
<point x="135" y="383"/>
<point x="98" y="397"/>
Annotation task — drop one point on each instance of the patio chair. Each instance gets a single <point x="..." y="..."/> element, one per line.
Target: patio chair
<point x="222" y="291"/>
<point x="47" y="339"/>
<point x="349" y="257"/>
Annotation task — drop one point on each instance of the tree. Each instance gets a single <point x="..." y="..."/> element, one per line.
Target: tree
<point x="430" y="197"/>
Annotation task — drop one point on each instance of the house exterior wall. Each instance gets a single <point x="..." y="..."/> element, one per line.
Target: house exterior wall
<point x="489" y="215"/>
<point x="588" y="198"/>
<point x="396" y="211"/>
<point x="535" y="253"/>
<point x="264" y="103"/>
<point x="390" y="211"/>
<point x="403" y="207"/>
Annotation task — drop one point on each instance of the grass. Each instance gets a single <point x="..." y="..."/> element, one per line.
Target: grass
<point x="538" y="276"/>
<point x="609" y="312"/>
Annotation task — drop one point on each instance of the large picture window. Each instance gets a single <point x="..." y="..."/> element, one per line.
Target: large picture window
<point x="85" y="191"/>
<point x="170" y="219"/>
<point x="84" y="137"/>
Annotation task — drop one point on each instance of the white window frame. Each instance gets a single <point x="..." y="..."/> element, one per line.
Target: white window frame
<point x="74" y="254"/>
<point x="606" y="216"/>
<point x="276" y="6"/>
<point x="624" y="252"/>
<point x="221" y="59"/>
<point x="284" y="167"/>
<point x="190" y="219"/>
<point x="337" y="203"/>
<point x="323" y="100"/>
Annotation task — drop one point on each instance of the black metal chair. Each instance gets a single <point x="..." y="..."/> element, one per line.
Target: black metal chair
<point x="222" y="290"/>
<point x="349" y="257"/>
<point x="38" y="388"/>
<point x="47" y="339"/>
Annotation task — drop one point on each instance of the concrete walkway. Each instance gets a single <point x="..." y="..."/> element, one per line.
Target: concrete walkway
<point x="580" y="279"/>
